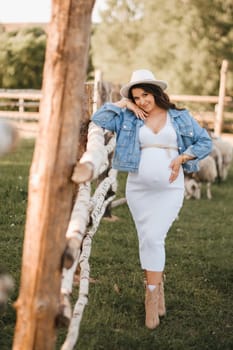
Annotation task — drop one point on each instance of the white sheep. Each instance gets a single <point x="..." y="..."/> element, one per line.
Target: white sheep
<point x="207" y="174"/>
<point x="226" y="150"/>
<point x="217" y="155"/>
<point x="6" y="287"/>
<point x="192" y="188"/>
<point x="8" y="137"/>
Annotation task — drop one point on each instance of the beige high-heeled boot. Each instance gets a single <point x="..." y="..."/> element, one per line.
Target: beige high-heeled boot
<point x="151" y="308"/>
<point x="161" y="306"/>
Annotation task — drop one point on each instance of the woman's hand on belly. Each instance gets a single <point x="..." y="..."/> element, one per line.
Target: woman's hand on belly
<point x="175" y="168"/>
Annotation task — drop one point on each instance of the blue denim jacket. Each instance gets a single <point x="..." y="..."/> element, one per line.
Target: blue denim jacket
<point x="191" y="138"/>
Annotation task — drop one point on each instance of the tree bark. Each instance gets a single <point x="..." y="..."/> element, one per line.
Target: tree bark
<point x="50" y="186"/>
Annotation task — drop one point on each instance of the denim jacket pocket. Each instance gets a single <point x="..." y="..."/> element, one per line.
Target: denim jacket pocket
<point x="186" y="130"/>
<point x="125" y="134"/>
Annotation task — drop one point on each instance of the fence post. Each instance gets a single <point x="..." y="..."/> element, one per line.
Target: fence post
<point x="50" y="187"/>
<point x="97" y="90"/>
<point x="21" y="105"/>
<point x="219" y="115"/>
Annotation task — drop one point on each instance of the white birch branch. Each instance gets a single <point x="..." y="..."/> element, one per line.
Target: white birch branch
<point x="118" y="202"/>
<point x="94" y="154"/>
<point x="78" y="250"/>
<point x="68" y="277"/>
<point x="109" y="148"/>
<point x="98" y="199"/>
<point x="76" y="319"/>
<point x="99" y="204"/>
<point x="77" y="226"/>
<point x="80" y="213"/>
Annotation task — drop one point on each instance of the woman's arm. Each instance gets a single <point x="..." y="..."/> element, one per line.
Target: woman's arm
<point x="126" y="103"/>
<point x="110" y="115"/>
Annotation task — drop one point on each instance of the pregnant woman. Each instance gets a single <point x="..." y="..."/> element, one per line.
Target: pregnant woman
<point x="156" y="142"/>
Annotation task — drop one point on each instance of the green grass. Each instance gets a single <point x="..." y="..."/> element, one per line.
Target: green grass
<point x="198" y="270"/>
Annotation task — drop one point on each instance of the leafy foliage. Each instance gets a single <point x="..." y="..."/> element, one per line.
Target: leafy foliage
<point x="22" y="58"/>
<point x="182" y="41"/>
<point x="22" y="55"/>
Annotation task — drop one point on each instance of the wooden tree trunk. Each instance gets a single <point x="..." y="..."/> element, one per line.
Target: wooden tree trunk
<point x="50" y="187"/>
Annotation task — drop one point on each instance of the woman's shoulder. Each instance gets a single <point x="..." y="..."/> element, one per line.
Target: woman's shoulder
<point x="180" y="113"/>
<point x="181" y="116"/>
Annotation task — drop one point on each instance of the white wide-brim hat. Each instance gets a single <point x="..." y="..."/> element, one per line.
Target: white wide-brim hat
<point x="142" y="76"/>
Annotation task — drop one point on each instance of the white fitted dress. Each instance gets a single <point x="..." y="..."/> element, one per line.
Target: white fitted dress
<point x="153" y="201"/>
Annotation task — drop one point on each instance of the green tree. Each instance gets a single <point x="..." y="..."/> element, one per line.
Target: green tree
<point x="22" y="55"/>
<point x="115" y="38"/>
<point x="22" y="58"/>
<point x="182" y="41"/>
<point x="217" y="23"/>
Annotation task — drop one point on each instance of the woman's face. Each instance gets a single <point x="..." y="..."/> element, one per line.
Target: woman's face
<point x="143" y="99"/>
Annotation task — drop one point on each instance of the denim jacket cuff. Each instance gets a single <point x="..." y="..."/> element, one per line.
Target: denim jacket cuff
<point x="189" y="152"/>
<point x="191" y="165"/>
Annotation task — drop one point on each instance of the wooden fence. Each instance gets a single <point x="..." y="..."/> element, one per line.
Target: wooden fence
<point x="22" y="106"/>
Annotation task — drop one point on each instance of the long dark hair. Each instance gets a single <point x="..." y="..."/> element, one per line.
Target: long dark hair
<point x="161" y="98"/>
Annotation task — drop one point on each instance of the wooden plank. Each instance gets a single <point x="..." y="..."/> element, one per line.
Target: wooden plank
<point x="17" y="104"/>
<point x="196" y="98"/>
<point x="17" y="94"/>
<point x="19" y="115"/>
<point x="37" y="95"/>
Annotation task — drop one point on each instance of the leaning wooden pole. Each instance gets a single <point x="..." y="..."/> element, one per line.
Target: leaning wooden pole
<point x="50" y="187"/>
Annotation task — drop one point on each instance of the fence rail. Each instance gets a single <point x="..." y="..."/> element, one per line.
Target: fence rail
<point x="201" y="99"/>
<point x="22" y="107"/>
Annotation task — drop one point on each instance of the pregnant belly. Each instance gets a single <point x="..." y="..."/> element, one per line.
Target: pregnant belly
<point x="154" y="167"/>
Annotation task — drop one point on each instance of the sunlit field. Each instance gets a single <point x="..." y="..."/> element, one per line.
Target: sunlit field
<point x="198" y="271"/>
